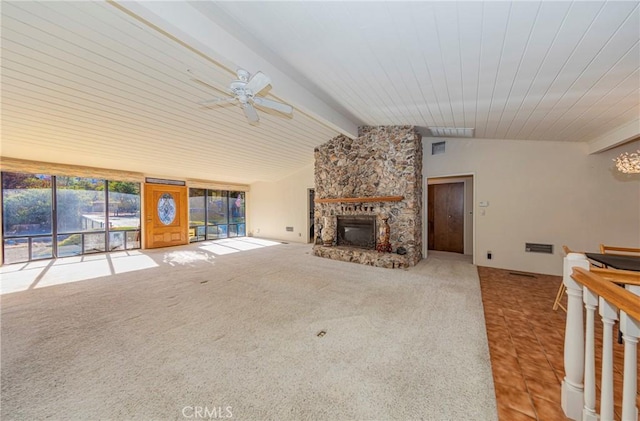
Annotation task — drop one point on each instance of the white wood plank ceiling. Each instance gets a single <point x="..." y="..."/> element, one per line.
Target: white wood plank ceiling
<point x="84" y="83"/>
<point x="87" y="83"/>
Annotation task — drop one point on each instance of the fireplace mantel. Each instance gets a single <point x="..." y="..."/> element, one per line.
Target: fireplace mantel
<point x="361" y="199"/>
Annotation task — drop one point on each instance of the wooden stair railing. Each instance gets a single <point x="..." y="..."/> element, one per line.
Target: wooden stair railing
<point x="617" y="276"/>
<point x="589" y="288"/>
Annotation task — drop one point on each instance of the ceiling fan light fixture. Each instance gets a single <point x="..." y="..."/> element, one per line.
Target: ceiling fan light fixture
<point x="628" y="163"/>
<point x="451" y="132"/>
<point x="243" y="75"/>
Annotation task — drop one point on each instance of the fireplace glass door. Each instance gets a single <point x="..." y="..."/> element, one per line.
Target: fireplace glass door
<point x="357" y="231"/>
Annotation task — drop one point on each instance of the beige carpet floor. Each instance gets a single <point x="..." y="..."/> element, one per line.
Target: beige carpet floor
<point x="235" y="329"/>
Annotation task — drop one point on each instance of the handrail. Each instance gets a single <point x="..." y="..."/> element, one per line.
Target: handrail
<point x="618" y="276"/>
<point x="619" y="297"/>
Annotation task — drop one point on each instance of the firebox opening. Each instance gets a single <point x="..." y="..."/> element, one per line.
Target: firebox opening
<point x="357" y="231"/>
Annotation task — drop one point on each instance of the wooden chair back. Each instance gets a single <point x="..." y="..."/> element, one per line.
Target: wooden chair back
<point x="626" y="251"/>
<point x="561" y="289"/>
<point x="567" y="250"/>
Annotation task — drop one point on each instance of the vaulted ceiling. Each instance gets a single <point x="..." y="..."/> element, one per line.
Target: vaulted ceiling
<point x="110" y="84"/>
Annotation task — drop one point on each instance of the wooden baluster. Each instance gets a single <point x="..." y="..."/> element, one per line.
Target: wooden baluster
<point x="572" y="398"/>
<point x="589" y="412"/>
<point x="630" y="332"/>
<point x="609" y="314"/>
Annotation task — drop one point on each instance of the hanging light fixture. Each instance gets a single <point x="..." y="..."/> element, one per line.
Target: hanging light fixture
<point x="628" y="163"/>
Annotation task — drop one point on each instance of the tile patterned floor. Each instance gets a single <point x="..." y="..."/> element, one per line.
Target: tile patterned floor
<point x="526" y="344"/>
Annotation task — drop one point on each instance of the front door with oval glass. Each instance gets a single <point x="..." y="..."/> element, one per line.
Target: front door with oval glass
<point x="166" y="218"/>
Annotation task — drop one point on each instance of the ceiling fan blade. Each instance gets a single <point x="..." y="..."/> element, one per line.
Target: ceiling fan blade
<point x="250" y="113"/>
<point x="274" y="105"/>
<point x="258" y="82"/>
<point x="218" y="101"/>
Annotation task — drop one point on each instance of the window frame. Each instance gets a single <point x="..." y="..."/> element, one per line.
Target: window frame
<point x="55" y="233"/>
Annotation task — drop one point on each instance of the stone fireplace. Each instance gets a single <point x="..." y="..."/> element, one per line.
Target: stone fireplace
<point x="360" y="183"/>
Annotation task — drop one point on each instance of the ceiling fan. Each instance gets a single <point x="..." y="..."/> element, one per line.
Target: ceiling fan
<point x="245" y="90"/>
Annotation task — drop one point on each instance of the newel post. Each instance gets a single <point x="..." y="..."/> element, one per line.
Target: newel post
<point x="572" y="398"/>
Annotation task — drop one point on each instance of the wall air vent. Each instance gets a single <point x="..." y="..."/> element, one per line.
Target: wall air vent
<point x="152" y="180"/>
<point x="526" y="275"/>
<point x="451" y="131"/>
<point x="437" y="148"/>
<point x="539" y="248"/>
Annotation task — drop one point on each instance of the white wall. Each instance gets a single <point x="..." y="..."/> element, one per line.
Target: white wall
<point x="273" y="206"/>
<point x="541" y="192"/>
<point x="614" y="218"/>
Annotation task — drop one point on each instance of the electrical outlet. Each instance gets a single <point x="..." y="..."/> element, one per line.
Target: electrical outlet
<point x="489" y="255"/>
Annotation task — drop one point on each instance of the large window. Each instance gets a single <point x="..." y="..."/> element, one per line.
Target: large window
<point x="217" y="215"/>
<point x="27" y="205"/>
<point x="236" y="214"/>
<point x="80" y="209"/>
<point x="224" y="214"/>
<point x="124" y="215"/>
<point x="197" y="214"/>
<point x="46" y="216"/>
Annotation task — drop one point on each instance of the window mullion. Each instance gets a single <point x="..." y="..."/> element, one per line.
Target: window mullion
<point x="107" y="241"/>
<point x="54" y="216"/>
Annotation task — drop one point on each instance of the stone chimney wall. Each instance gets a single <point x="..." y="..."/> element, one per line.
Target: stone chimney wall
<point x="383" y="161"/>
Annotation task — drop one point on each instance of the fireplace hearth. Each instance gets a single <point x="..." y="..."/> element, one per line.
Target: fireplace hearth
<point x="357" y="231"/>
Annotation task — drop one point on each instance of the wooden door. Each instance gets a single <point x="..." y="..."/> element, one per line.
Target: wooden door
<point x="312" y="206"/>
<point x="446" y="217"/>
<point x="166" y="215"/>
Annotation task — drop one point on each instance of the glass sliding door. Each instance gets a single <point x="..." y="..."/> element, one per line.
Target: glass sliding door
<point x="27" y="215"/>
